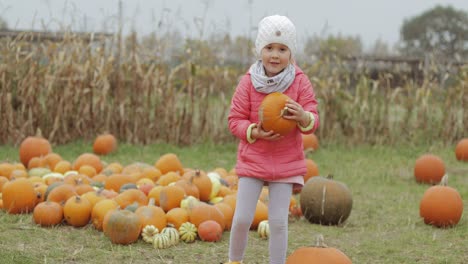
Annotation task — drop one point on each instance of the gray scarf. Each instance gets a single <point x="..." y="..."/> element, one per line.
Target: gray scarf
<point x="277" y="83"/>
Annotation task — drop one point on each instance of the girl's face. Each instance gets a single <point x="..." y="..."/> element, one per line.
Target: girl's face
<point x="275" y="57"/>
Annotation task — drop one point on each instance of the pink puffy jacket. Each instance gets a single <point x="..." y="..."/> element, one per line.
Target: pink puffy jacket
<point x="270" y="160"/>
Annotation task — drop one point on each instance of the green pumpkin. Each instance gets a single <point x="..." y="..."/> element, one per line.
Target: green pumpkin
<point x="325" y="201"/>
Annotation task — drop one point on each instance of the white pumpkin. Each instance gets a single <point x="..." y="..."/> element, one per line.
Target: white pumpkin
<point x="148" y="233"/>
<point x="172" y="233"/>
<point x="263" y="229"/>
<point x="161" y="241"/>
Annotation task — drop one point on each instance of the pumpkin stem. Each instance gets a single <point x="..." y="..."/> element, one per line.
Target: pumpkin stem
<point x="444" y="180"/>
<point x="151" y="201"/>
<point x="284" y="111"/>
<point x="319" y="242"/>
<point x="330" y="176"/>
<point x="38" y="132"/>
<point x="195" y="174"/>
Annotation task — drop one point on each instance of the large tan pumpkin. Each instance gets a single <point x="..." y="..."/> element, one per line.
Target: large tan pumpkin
<point x="325" y="201"/>
<point x="122" y="226"/>
<point x="271" y="112"/>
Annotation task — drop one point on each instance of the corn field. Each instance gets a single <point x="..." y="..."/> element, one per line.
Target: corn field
<point x="73" y="89"/>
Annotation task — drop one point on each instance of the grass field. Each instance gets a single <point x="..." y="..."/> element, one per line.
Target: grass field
<point x="384" y="225"/>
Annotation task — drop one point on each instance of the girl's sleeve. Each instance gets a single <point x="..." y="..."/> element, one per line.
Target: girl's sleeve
<point x="309" y="103"/>
<point x="239" y="114"/>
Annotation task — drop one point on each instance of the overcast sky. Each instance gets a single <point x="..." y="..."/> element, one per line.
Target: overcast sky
<point x="369" y="19"/>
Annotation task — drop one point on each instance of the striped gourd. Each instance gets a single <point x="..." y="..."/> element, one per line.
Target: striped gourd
<point x="188" y="232"/>
<point x="148" y="233"/>
<point x="172" y="233"/>
<point x="263" y="229"/>
<point x="161" y="241"/>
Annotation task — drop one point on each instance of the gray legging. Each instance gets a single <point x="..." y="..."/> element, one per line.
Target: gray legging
<point x="278" y="207"/>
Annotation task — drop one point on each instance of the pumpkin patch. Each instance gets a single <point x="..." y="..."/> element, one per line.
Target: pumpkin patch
<point x="172" y="210"/>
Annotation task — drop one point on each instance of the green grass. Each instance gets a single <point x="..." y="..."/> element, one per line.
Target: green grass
<point x="384" y="225"/>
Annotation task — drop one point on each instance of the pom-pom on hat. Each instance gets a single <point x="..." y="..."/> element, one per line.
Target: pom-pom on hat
<point x="276" y="29"/>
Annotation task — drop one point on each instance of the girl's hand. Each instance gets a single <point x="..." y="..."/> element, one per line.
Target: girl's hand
<point x="259" y="133"/>
<point x="297" y="113"/>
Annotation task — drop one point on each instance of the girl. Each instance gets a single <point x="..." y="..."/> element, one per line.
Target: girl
<point x="264" y="157"/>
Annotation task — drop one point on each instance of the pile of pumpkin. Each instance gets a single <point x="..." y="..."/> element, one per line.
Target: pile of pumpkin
<point x="161" y="203"/>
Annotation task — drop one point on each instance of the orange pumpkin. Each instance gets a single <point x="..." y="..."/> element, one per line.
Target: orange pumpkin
<point x="441" y="205"/>
<point x="152" y="215"/>
<point x="83" y="188"/>
<point x="52" y="159"/>
<point x="169" y="162"/>
<point x="100" y="210"/>
<point x="155" y="193"/>
<point x="210" y="231"/>
<point x="168" y="178"/>
<point x="203" y="212"/>
<point x="3" y="180"/>
<point x="60" y="192"/>
<point x="312" y="170"/>
<point x="37" y="162"/>
<point x="33" y="146"/>
<point x="6" y="169"/>
<point x="461" y="150"/>
<point x="88" y="159"/>
<point x="122" y="226"/>
<point x="19" y="196"/>
<point x="189" y="188"/>
<point x="40" y="189"/>
<point x="77" y="211"/>
<point x="92" y="196"/>
<point x="261" y="213"/>
<point x="429" y="168"/>
<point x="271" y="112"/>
<point x="170" y="197"/>
<point x="105" y="144"/>
<point x="228" y="214"/>
<point x="62" y="166"/>
<point x="131" y="196"/>
<point x="177" y="216"/>
<point x="200" y="179"/>
<point x="116" y="181"/>
<point x="48" y="213"/>
<point x="77" y="178"/>
<point x="151" y="173"/>
<point x="310" y="142"/>
<point x="319" y="254"/>
<point x="231" y="200"/>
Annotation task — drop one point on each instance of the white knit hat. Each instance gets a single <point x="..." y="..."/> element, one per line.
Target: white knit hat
<point x="276" y="29"/>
